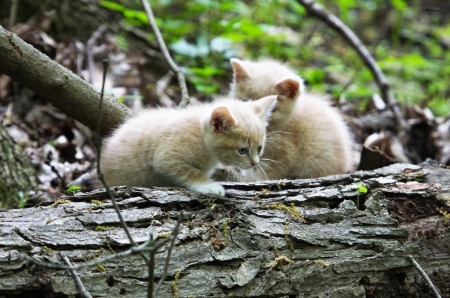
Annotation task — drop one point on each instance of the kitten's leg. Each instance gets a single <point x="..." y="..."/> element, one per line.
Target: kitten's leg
<point x="228" y="174"/>
<point x="192" y="178"/>
<point x="208" y="188"/>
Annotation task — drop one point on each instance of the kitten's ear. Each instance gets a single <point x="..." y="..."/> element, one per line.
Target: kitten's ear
<point x="221" y="119"/>
<point x="288" y="88"/>
<point x="264" y="106"/>
<point x="239" y="70"/>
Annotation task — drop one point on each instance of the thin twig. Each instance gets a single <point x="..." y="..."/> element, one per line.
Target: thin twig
<point x="83" y="292"/>
<point x="90" y="52"/>
<point x="425" y="276"/>
<point x="144" y="247"/>
<point x="180" y="76"/>
<point x="11" y="23"/>
<point x="151" y="270"/>
<point x="13" y="14"/>
<point x="99" y="172"/>
<point x="334" y="22"/>
<point x="169" y="251"/>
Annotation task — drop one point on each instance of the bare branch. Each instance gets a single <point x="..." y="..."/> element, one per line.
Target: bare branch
<point x="180" y="76"/>
<point x="144" y="247"/>
<point x="99" y="172"/>
<point x="169" y="252"/>
<point x="425" y="276"/>
<point x="151" y="270"/>
<point x="83" y="292"/>
<point x="62" y="88"/>
<point x="90" y="53"/>
<point x="334" y="22"/>
<point x="13" y="14"/>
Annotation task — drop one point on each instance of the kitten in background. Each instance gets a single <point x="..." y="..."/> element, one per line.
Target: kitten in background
<point x="307" y="138"/>
<point x="181" y="147"/>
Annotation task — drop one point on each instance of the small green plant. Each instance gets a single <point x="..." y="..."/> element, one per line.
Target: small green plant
<point x="21" y="199"/>
<point x="74" y="189"/>
<point x="359" y="189"/>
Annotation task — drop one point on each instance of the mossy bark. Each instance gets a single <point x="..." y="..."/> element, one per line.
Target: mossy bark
<point x="263" y="250"/>
<point x="17" y="175"/>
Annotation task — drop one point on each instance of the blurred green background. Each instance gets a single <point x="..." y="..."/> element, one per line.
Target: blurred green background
<point x="409" y="40"/>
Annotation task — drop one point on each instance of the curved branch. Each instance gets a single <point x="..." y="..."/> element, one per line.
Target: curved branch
<point x="425" y="276"/>
<point x="334" y="22"/>
<point x="56" y="84"/>
<point x="180" y="76"/>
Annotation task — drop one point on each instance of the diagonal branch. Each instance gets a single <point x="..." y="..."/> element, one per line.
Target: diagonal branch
<point x="334" y="22"/>
<point x="82" y="291"/>
<point x="424" y="275"/>
<point x="62" y="88"/>
<point x="100" y="176"/>
<point x="181" y="81"/>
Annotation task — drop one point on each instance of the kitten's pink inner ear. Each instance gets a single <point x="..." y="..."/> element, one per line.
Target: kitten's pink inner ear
<point x="288" y="88"/>
<point x="239" y="71"/>
<point x="221" y="119"/>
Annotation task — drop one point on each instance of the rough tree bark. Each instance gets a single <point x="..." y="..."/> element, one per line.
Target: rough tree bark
<point x="252" y="243"/>
<point x="16" y="171"/>
<point x="58" y="85"/>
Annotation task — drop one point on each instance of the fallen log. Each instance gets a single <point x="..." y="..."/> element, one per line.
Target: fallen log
<point x="289" y="238"/>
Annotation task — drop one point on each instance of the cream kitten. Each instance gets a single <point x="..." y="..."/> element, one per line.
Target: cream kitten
<point x="180" y="147"/>
<point x="307" y="138"/>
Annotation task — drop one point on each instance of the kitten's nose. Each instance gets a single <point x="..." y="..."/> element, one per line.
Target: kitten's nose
<point x="254" y="161"/>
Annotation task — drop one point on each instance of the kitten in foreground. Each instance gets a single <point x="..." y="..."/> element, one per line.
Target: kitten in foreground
<point x="307" y="138"/>
<point x="180" y="147"/>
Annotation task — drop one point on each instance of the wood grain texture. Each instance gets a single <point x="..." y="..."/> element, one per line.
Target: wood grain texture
<point x="337" y="250"/>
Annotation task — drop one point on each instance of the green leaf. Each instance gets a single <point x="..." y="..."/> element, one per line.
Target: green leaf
<point x="74" y="189"/>
<point x="184" y="48"/>
<point x="113" y="6"/>
<point x="220" y="44"/>
<point x="361" y="188"/>
<point x="138" y="15"/>
<point x="315" y="76"/>
<point x="206" y="71"/>
<point x="399" y="4"/>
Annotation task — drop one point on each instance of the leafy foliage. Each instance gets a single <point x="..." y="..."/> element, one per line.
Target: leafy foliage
<point x="74" y="189"/>
<point x="203" y="34"/>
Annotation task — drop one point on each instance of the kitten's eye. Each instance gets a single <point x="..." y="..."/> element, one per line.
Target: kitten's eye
<point x="242" y="150"/>
<point x="259" y="149"/>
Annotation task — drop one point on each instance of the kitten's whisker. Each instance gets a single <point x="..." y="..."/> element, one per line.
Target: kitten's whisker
<point x="272" y="144"/>
<point x="278" y="163"/>
<point x="269" y="147"/>
<point x="259" y="168"/>
<point x="281" y="132"/>
<point x="276" y="137"/>
<point x="264" y="167"/>
<point x="272" y="170"/>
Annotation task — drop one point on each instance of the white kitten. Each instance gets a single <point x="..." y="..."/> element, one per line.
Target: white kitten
<point x="307" y="138"/>
<point x="180" y="147"/>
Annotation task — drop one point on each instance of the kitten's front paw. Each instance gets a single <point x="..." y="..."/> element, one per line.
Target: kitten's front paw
<point x="211" y="188"/>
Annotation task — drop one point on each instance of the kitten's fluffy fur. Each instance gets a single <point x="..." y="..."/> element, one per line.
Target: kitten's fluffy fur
<point x="307" y="138"/>
<point x="180" y="147"/>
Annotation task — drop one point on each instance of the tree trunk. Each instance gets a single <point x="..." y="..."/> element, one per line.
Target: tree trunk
<point x="300" y="238"/>
<point x="58" y="85"/>
<point x="17" y="175"/>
